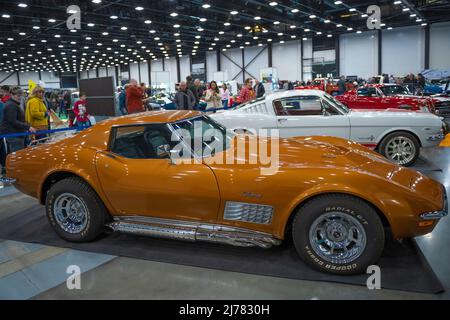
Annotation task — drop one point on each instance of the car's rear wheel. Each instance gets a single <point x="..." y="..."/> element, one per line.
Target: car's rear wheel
<point x="338" y="234"/>
<point x="75" y="211"/>
<point x="401" y="148"/>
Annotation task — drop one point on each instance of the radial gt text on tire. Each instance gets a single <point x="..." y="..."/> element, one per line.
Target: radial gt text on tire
<point x="75" y="211"/>
<point x="338" y="234"/>
<point x="400" y="147"/>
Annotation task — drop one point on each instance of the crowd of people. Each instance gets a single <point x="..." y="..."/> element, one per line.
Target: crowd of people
<point x="191" y="95"/>
<point x="21" y="114"/>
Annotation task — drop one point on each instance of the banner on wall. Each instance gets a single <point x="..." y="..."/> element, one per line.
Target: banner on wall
<point x="269" y="78"/>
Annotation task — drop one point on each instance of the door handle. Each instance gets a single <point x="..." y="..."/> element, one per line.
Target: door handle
<point x="109" y="155"/>
<point x="282" y="120"/>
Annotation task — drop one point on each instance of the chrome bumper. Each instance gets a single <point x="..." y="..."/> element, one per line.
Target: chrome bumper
<point x="436" y="215"/>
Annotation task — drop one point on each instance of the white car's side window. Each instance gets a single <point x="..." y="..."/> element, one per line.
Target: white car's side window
<point x="298" y="106"/>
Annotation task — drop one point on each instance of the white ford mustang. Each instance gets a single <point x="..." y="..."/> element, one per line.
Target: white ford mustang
<point x="396" y="134"/>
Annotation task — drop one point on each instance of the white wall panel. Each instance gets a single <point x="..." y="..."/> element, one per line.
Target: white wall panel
<point x="92" y="74"/>
<point x="440" y="45"/>
<point x="83" y="74"/>
<point x="11" y="81"/>
<point x="359" y="54"/>
<point x="48" y="76"/>
<point x="185" y="67"/>
<point x="325" y="55"/>
<point x="134" y="71"/>
<point x="262" y="61"/>
<point x="211" y="64"/>
<point x="112" y="73"/>
<point x="287" y="59"/>
<point x="157" y="65"/>
<point x="144" y="72"/>
<point x="233" y="70"/>
<point x="403" y="50"/>
<point x="102" y="72"/>
<point x="171" y="68"/>
<point x="25" y="76"/>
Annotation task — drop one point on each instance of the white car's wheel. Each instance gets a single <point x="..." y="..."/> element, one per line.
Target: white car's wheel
<point x="401" y="148"/>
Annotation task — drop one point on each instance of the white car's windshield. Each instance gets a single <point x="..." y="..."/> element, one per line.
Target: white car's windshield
<point x="336" y="103"/>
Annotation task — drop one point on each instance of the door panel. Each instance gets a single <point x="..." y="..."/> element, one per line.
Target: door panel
<point x="158" y="188"/>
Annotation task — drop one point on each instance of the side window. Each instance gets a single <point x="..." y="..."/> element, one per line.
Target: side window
<point x="298" y="106"/>
<point x="142" y="142"/>
<point x="367" y="92"/>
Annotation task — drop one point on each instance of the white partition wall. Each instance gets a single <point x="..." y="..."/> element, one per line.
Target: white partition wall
<point x="25" y="76"/>
<point x="83" y="74"/>
<point x="211" y="64"/>
<point x="156" y="66"/>
<point x="440" y="45"/>
<point x="259" y="55"/>
<point x="171" y="68"/>
<point x="102" y="72"/>
<point x="403" y="51"/>
<point x="358" y="54"/>
<point x="144" y="72"/>
<point x="92" y="73"/>
<point x="134" y="71"/>
<point x="287" y="59"/>
<point x="234" y="72"/>
<point x="185" y="67"/>
<point x="112" y="73"/>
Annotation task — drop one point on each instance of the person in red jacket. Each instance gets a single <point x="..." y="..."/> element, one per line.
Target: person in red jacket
<point x="135" y="98"/>
<point x="80" y="111"/>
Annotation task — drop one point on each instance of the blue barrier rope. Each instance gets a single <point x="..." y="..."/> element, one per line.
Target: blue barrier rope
<point x="24" y="134"/>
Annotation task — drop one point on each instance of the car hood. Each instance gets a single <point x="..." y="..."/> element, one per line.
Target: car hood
<point x="329" y="153"/>
<point x="298" y="152"/>
<point x="390" y="113"/>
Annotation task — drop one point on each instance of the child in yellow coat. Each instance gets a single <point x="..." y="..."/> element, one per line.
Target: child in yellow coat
<point x="36" y="114"/>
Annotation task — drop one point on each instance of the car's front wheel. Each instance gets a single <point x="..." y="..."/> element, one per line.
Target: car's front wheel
<point x="401" y="148"/>
<point x="75" y="211"/>
<point x="338" y="234"/>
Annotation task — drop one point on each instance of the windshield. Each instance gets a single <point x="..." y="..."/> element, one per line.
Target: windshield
<point x="394" y="90"/>
<point x="203" y="135"/>
<point x="336" y="103"/>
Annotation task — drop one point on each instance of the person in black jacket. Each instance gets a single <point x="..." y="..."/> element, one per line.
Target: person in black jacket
<point x="14" y="121"/>
<point x="259" y="89"/>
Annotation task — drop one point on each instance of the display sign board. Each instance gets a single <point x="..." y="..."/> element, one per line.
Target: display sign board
<point x="100" y="96"/>
<point x="269" y="78"/>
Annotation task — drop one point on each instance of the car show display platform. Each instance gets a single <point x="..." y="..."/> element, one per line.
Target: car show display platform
<point x="403" y="266"/>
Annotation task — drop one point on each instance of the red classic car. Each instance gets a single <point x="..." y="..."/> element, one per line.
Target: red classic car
<point x="386" y="96"/>
<point x="329" y="86"/>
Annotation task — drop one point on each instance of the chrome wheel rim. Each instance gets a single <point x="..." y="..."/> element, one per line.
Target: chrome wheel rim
<point x="70" y="213"/>
<point x="400" y="150"/>
<point x="337" y="237"/>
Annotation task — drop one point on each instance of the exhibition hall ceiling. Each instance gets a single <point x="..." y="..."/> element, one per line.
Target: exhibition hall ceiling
<point x="73" y="35"/>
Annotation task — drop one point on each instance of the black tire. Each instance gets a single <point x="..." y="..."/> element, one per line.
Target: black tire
<point x="96" y="217"/>
<point x="346" y="206"/>
<point x="383" y="144"/>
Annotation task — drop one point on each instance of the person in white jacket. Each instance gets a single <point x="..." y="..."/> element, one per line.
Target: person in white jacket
<point x="225" y="95"/>
<point x="213" y="98"/>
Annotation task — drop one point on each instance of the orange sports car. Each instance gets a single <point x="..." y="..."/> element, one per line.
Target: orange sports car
<point x="139" y="174"/>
